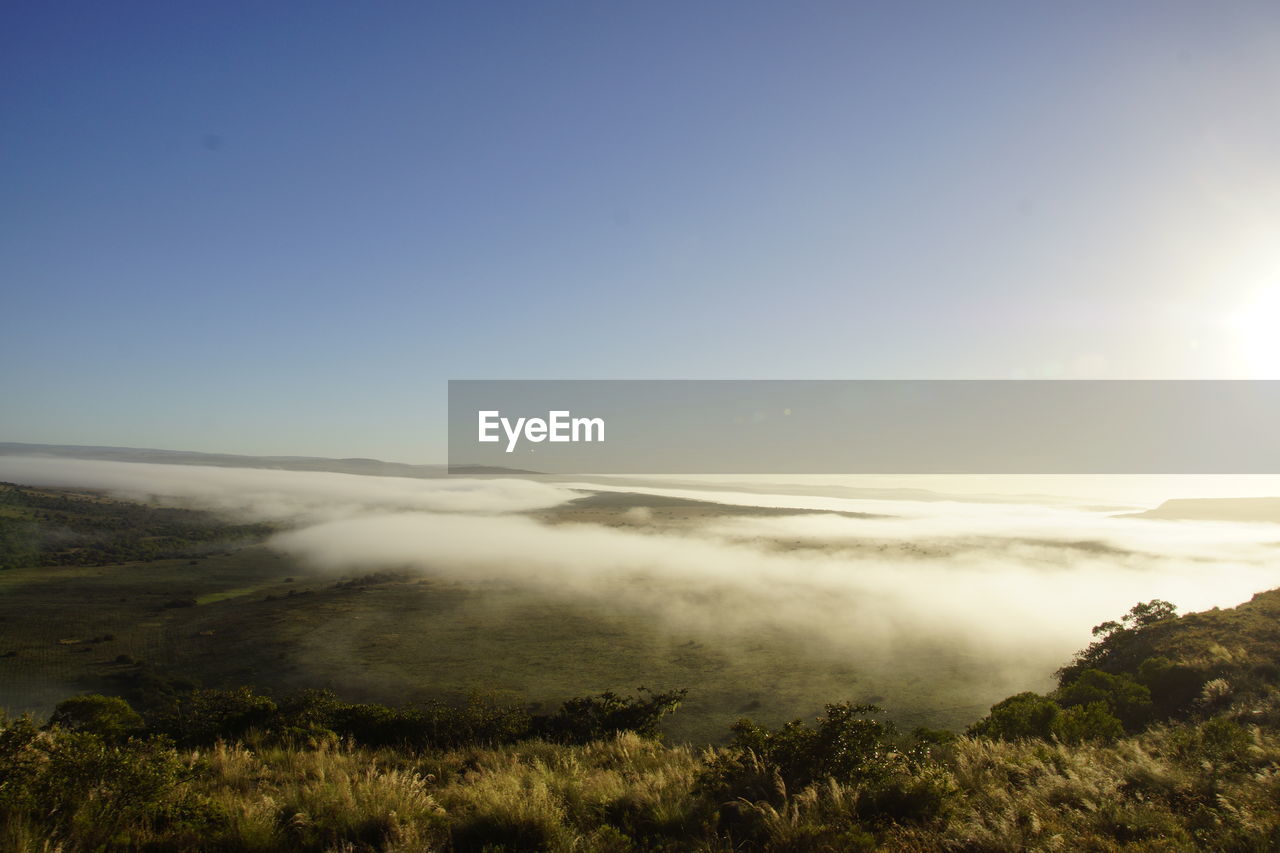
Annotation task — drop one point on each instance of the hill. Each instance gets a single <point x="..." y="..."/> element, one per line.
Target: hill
<point x="368" y="467"/>
<point x="239" y="771"/>
<point x="1214" y="509"/>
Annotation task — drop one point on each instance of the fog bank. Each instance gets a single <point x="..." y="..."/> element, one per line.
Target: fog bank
<point x="1019" y="583"/>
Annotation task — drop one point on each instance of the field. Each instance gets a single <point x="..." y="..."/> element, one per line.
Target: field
<point x="231" y="612"/>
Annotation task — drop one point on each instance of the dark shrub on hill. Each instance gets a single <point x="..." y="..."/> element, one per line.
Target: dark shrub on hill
<point x="432" y="725"/>
<point x="1023" y="715"/>
<point x="1030" y="715"/>
<point x="589" y="718"/>
<point x="146" y="688"/>
<point x="1174" y="687"/>
<point x="201" y="717"/>
<point x="204" y="716"/>
<point x="109" y="717"/>
<point x="1126" y="699"/>
<point x="844" y="746"/>
<point x="1088" y="722"/>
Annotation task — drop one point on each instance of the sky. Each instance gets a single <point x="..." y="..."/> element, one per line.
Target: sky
<point x="281" y="228"/>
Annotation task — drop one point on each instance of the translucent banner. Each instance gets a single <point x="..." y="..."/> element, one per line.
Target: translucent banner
<point x="864" y="427"/>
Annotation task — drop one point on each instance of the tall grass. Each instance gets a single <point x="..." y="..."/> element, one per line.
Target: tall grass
<point x="1214" y="785"/>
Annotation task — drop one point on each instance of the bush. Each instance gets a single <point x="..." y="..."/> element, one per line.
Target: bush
<point x="1093" y="721"/>
<point x="1218" y="743"/>
<point x="201" y="717"/>
<point x="763" y="763"/>
<point x="1174" y="687"/>
<point x="1119" y="640"/>
<point x="108" y="717"/>
<point x="433" y="724"/>
<point x="1024" y="715"/>
<point x="1124" y="698"/>
<point x="76" y="785"/>
<point x="589" y="718"/>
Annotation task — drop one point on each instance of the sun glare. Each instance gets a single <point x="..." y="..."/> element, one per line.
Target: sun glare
<point x="1256" y="329"/>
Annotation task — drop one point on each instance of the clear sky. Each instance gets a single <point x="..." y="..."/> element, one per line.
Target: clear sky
<point x="279" y="228"/>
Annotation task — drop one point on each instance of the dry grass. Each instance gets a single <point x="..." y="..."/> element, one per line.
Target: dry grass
<point x="1175" y="788"/>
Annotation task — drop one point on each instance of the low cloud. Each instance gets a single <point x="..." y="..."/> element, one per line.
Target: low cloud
<point x="1018" y="584"/>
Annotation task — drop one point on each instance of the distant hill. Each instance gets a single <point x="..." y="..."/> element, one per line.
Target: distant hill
<point x="1214" y="509"/>
<point x="641" y="500"/>
<point x="368" y="467"/>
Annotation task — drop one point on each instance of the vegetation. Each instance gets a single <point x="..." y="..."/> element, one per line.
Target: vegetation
<point x="1116" y="758"/>
<point x="243" y="613"/>
<point x="1163" y="734"/>
<point x="45" y="527"/>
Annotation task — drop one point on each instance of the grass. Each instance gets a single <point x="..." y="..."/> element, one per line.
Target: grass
<point x="628" y="793"/>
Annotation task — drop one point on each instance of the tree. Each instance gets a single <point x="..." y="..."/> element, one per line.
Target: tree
<point x="1118" y="639"/>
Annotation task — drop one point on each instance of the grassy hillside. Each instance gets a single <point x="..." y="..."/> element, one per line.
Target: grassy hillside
<point x="60" y="527"/>
<point x="238" y="772"/>
<point x="1163" y="734"/>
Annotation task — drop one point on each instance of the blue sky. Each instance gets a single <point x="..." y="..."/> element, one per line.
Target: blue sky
<point x="280" y="228"/>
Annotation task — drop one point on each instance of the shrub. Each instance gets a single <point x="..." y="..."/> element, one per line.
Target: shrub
<point x="1117" y="640"/>
<point x="589" y="718"/>
<point x="1218" y="743"/>
<point x="1024" y="715"/>
<point x="1124" y="698"/>
<point x="1174" y="687"/>
<point x="204" y="716"/>
<point x="1093" y="721"/>
<point x="76" y="785"/>
<point x="766" y="765"/>
<point x="108" y="717"/>
<point x="844" y="745"/>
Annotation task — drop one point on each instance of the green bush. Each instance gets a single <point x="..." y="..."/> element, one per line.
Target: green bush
<point x="1217" y="743"/>
<point x="1024" y="715"/>
<point x="767" y="765"/>
<point x="589" y="718"/>
<point x="1090" y="722"/>
<point x="62" y="784"/>
<point x="1174" y="687"/>
<point x="201" y="717"/>
<point x="1126" y="699"/>
<point x="109" y="717"/>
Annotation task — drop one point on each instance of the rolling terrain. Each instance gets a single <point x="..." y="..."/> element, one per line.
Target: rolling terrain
<point x="221" y="609"/>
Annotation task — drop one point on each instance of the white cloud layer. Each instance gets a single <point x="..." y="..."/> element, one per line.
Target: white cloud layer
<point x="1019" y="583"/>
